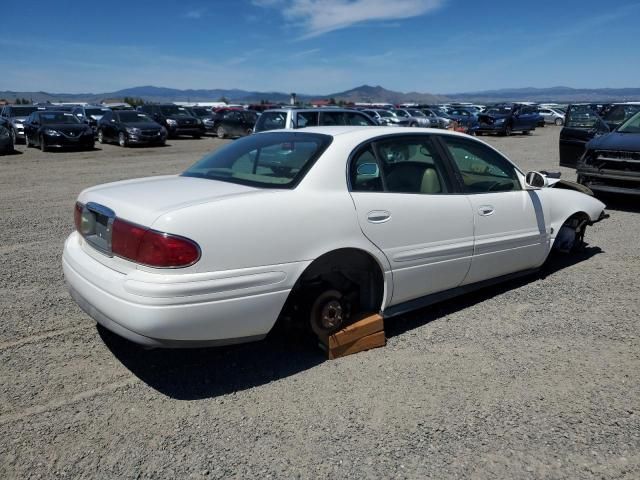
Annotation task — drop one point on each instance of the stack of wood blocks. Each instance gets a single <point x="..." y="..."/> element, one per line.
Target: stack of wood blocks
<point x="365" y="333"/>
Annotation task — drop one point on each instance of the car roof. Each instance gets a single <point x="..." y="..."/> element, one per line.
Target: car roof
<point x="319" y="109"/>
<point x="374" y="130"/>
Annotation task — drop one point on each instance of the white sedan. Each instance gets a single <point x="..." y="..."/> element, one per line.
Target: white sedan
<point x="311" y="227"/>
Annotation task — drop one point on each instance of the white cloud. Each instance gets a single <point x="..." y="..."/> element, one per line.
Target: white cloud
<point x="194" y="14"/>
<point x="318" y="17"/>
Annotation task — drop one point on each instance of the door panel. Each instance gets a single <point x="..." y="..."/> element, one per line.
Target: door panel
<point x="511" y="233"/>
<point x="428" y="239"/>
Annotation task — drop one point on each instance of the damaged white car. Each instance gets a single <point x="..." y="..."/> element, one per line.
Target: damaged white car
<point x="311" y="227"/>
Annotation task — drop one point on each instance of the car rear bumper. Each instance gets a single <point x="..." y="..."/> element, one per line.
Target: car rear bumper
<point x="191" y="310"/>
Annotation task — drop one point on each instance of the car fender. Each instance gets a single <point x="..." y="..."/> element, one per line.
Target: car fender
<point x="282" y="227"/>
<point x="563" y="204"/>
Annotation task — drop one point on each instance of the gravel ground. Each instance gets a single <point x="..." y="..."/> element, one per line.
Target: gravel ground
<point x="533" y="379"/>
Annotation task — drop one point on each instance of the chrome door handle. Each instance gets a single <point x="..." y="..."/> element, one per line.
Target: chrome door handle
<point x="486" y="210"/>
<point x="378" y="216"/>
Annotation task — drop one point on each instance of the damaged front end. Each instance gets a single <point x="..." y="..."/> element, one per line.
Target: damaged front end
<point x="610" y="171"/>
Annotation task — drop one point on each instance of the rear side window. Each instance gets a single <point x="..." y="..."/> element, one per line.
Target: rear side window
<point x="400" y="165"/>
<point x="306" y="119"/>
<point x="269" y="160"/>
<point x="345" y="118"/>
<point x="483" y="169"/>
<point x="271" y="121"/>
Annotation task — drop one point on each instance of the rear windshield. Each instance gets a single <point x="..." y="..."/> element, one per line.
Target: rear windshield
<point x="95" y="111"/>
<point x="269" y="160"/>
<point x="582" y="116"/>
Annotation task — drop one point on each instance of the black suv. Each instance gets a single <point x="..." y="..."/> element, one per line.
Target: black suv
<point x="177" y="120"/>
<point x="128" y="127"/>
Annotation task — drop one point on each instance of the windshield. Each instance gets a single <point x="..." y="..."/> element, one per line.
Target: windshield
<point x="59" y="118"/>
<point x="95" y="111"/>
<point x="499" y="111"/>
<point x="174" y="110"/>
<point x="268" y="160"/>
<point x="401" y="113"/>
<point x="201" y="112"/>
<point x="22" y="111"/>
<point x="134" y="117"/>
<point x="385" y="113"/>
<point x="271" y="121"/>
<point x="619" y="113"/>
<point x="417" y="113"/>
<point x="632" y="125"/>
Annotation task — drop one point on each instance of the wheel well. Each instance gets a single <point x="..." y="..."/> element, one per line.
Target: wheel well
<point x="345" y="269"/>
<point x="577" y="221"/>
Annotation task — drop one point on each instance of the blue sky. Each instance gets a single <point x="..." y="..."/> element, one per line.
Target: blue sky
<point x="318" y="46"/>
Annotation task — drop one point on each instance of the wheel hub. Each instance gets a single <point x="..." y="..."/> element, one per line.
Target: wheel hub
<point x="332" y="314"/>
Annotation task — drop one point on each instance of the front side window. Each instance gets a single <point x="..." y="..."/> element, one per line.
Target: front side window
<point x="271" y="160"/>
<point x="400" y="165"/>
<point x="483" y="169"/>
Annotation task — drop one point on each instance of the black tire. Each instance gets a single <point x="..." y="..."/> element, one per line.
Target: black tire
<point x="413" y="124"/>
<point x="26" y="141"/>
<point x="507" y="131"/>
<point x="559" y="122"/>
<point x="220" y="132"/>
<point x="330" y="311"/>
<point x="526" y="132"/>
<point x="123" y="141"/>
<point x="101" y="136"/>
<point x="196" y="136"/>
<point x="43" y="146"/>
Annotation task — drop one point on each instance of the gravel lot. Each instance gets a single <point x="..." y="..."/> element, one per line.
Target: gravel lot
<point x="538" y="378"/>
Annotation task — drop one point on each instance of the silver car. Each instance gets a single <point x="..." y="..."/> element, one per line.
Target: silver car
<point x="551" y="115"/>
<point x="419" y="120"/>
<point x="15" y="116"/>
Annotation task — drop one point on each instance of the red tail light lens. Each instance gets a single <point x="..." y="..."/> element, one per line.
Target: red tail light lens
<point x="148" y="247"/>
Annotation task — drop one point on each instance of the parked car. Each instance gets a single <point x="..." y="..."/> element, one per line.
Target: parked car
<point x="236" y="123"/>
<point x="386" y="118"/>
<point x="269" y="227"/>
<point x="90" y="114"/>
<point x="437" y="118"/>
<point x="465" y="118"/>
<point x="417" y="120"/>
<point x="58" y="129"/>
<point x="552" y="116"/>
<point x="128" y="127"/>
<point x="206" y="115"/>
<point x="177" y="120"/>
<point x="15" y="115"/>
<point x="585" y="121"/>
<point x="310" y="117"/>
<point x="6" y="139"/>
<point x="611" y="162"/>
<point x="506" y="119"/>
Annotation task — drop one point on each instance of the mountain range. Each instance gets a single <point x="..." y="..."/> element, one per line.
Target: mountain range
<point x="364" y="93"/>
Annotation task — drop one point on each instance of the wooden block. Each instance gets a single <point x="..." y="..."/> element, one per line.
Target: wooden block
<point x="366" y="325"/>
<point x="364" y="343"/>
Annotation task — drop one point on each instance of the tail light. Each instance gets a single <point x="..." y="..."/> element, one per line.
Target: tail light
<point x="152" y="248"/>
<point x="134" y="242"/>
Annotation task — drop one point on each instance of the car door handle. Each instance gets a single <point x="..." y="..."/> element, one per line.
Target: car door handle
<point x="486" y="210"/>
<point x="378" y="216"/>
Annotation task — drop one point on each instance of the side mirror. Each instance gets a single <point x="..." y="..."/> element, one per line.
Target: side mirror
<point x="535" y="180"/>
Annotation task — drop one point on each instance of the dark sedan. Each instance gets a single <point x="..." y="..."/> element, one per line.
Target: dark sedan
<point x="51" y="128"/>
<point x="6" y="139"/>
<point x="207" y="117"/>
<point x="611" y="162"/>
<point x="236" y="123"/>
<point x="128" y="127"/>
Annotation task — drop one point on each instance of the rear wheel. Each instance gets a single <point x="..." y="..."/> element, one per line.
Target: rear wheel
<point x="221" y="132"/>
<point x="43" y="146"/>
<point x="507" y="131"/>
<point x="100" y="136"/>
<point x="196" y="136"/>
<point x="330" y="311"/>
<point x="559" y="122"/>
